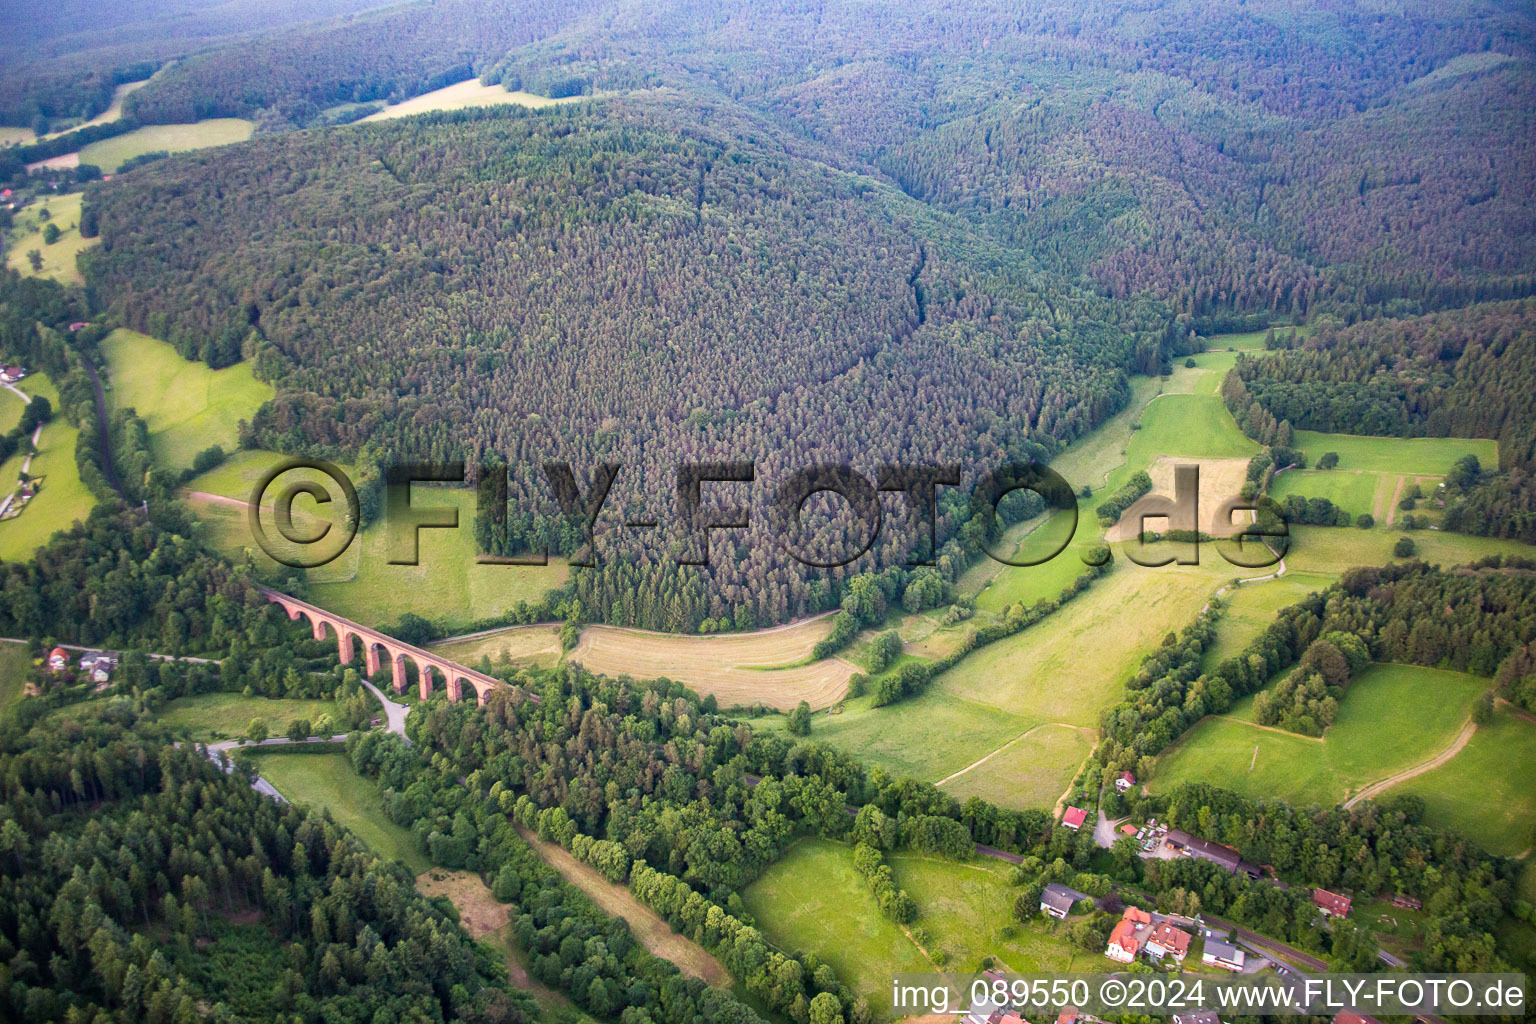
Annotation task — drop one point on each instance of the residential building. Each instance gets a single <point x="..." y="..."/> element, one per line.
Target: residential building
<point x="1074" y="817"/>
<point x="1223" y="955"/>
<point x="1197" y="1017"/>
<point x="1224" y="857"/>
<point x="1124" y="942"/>
<point x="1125" y="781"/>
<point x="98" y="665"/>
<point x="1057" y="900"/>
<point x="1166" y="940"/>
<point x="58" y="660"/>
<point x="1331" y="903"/>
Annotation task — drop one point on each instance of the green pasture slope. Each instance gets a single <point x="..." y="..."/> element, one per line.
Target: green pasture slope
<point x="448" y="584"/>
<point x="813" y="899"/>
<point x="111" y="154"/>
<point x="1488" y="790"/>
<point x="227" y="715"/>
<point x="1391" y="718"/>
<point x="62" y="498"/>
<point x="328" y="781"/>
<point x="186" y="406"/>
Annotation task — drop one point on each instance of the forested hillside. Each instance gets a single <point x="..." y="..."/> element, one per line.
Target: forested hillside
<point x="1281" y="161"/>
<point x="139" y="882"/>
<point x="620" y="284"/>
<point x="1460" y="373"/>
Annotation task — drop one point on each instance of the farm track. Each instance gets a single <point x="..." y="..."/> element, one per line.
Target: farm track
<point x="1376" y="788"/>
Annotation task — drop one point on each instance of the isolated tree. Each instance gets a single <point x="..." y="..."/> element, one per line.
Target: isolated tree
<point x="799" y="723"/>
<point x="35" y="257"/>
<point x="1328" y="460"/>
<point x="256" y="731"/>
<point x="1365" y="520"/>
<point x="1404" y="548"/>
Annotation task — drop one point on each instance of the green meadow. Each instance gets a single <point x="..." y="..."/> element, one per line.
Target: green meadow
<point x="1391" y="718"/>
<point x="186" y="406"/>
<point x="15" y="660"/>
<point x="58" y="257"/>
<point x="61" y="499"/>
<point x="1425" y="456"/>
<point x="227" y="715"/>
<point x="328" y="781"/>
<point x="1488" y="790"/>
<point x="110" y="154"/>
<point x="812" y="899"/>
<point x="447" y="585"/>
<point x="1355" y="491"/>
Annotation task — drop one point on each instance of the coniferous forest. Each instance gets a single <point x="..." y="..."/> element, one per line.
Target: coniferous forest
<point x="614" y="247"/>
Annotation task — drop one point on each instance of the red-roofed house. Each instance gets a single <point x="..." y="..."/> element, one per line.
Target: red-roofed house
<point x="1124" y="781"/>
<point x="1349" y="1017"/>
<point x="12" y="374"/>
<point x="1074" y="817"/>
<point x="1127" y="830"/>
<point x="1068" y="1016"/>
<point x="1331" y="903"/>
<point x="1123" y="945"/>
<point x="58" y="660"/>
<point x="1166" y="940"/>
<point x="1137" y="915"/>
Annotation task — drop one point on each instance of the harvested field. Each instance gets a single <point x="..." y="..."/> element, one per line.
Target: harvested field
<point x="653" y="932"/>
<point x="761" y="667"/>
<point x="1220" y="480"/>
<point x="479" y="912"/>
<point x="520" y="645"/>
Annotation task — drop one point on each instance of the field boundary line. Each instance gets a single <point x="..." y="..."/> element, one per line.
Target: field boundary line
<point x="1270" y="728"/>
<point x="987" y="757"/>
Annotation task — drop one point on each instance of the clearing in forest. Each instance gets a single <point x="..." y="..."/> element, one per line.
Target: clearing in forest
<point x="186" y="406"/>
<point x="760" y="667"/>
<point x="468" y="93"/>
<point x="649" y="927"/>
<point x="1390" y="718"/>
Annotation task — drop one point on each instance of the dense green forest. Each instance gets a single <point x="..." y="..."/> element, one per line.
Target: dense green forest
<point x="140" y="882"/>
<point x="1459" y="373"/>
<point x="636" y="284"/>
<point x="1282" y="162"/>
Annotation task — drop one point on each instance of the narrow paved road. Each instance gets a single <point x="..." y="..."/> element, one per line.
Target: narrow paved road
<point x="1375" y="788"/>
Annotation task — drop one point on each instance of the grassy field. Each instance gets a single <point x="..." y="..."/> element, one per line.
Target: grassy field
<point x="15" y="660"/>
<point x="1033" y="771"/>
<point x="327" y="780"/>
<point x="761" y="667"/>
<point x="1429" y="456"/>
<point x="926" y="737"/>
<point x="1330" y="550"/>
<point x="226" y="715"/>
<point x="10" y="135"/>
<point x="109" y="154"/>
<point x="447" y="585"/>
<point x="1391" y="718"/>
<point x="465" y="94"/>
<point x="58" y="258"/>
<point x="1355" y="491"/>
<point x="61" y="499"/>
<point x="187" y="406"/>
<point x="113" y="112"/>
<point x="537" y="646"/>
<point x="1488" y="790"/>
<point x="966" y="909"/>
<point x="812" y="899"/>
<point x="1251" y="608"/>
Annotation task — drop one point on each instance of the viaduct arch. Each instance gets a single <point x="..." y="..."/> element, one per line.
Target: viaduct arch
<point x="379" y="647"/>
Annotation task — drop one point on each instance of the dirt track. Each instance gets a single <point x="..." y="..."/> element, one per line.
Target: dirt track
<point x="737" y="668"/>
<point x="1439" y="759"/>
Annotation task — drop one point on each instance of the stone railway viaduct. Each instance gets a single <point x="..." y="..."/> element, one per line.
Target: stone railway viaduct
<point x="379" y="648"/>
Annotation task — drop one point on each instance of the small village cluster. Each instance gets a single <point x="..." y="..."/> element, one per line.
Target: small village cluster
<point x="96" y="666"/>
